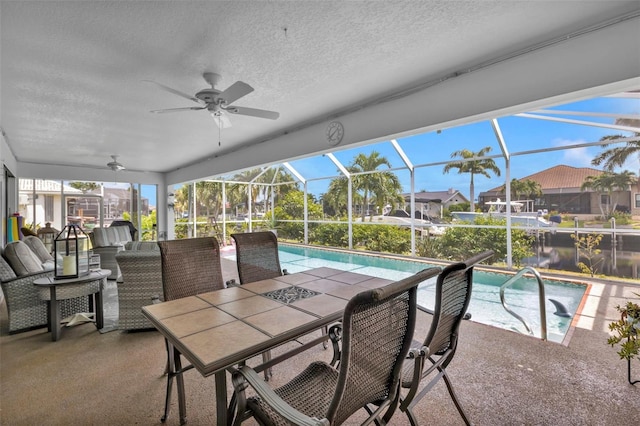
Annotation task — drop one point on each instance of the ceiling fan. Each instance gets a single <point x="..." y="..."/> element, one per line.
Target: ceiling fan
<point x="217" y="102"/>
<point x="115" y="165"/>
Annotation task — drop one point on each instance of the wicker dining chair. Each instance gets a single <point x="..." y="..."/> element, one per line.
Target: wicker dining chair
<point x="189" y="267"/>
<point x="257" y="259"/>
<point x="453" y="294"/>
<point x="377" y="326"/>
<point x="257" y="256"/>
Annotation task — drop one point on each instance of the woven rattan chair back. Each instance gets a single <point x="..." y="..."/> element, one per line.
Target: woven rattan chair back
<point x="377" y="330"/>
<point x="257" y="256"/>
<point x="190" y="266"/>
<point x="453" y="294"/>
<point x="375" y="337"/>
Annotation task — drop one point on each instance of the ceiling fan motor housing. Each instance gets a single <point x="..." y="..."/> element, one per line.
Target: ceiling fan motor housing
<point x="208" y="95"/>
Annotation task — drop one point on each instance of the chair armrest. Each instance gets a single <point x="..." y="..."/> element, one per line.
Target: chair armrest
<point x="245" y="374"/>
<point x="417" y="356"/>
<point x="335" y="334"/>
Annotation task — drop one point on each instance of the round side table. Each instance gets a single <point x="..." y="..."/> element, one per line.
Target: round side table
<point x="53" y="290"/>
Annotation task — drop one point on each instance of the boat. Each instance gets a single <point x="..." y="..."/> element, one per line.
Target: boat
<point x="497" y="209"/>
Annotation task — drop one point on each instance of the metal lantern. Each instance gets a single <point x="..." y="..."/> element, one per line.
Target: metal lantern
<point x="48" y="235"/>
<point x="71" y="251"/>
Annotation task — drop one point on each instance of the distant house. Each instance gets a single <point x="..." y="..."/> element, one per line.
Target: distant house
<point x="44" y="201"/>
<point x="430" y="204"/>
<point x="58" y="204"/>
<point x="561" y="192"/>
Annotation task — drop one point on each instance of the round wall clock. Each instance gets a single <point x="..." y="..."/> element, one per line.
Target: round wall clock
<point x="335" y="132"/>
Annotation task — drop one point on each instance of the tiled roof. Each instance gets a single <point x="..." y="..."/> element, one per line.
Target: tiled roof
<point x="558" y="177"/>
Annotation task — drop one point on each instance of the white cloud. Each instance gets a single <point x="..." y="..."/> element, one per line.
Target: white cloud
<point x="576" y="157"/>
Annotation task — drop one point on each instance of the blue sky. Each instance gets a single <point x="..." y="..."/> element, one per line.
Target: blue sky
<point x="520" y="134"/>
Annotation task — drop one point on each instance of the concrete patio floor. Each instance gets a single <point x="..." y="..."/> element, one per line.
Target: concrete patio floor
<point x="501" y="377"/>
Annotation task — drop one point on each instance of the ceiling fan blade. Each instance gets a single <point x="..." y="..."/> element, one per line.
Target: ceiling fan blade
<point x="235" y="92"/>
<point x="221" y="119"/>
<point x="253" y="112"/>
<point x="174" y="91"/>
<point x="162" y="111"/>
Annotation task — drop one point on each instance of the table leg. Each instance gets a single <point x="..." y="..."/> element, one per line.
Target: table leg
<point x="171" y="369"/>
<point x="98" y="309"/>
<point x="182" y="401"/>
<point x="54" y="315"/>
<point x="174" y="367"/>
<point x="221" y="397"/>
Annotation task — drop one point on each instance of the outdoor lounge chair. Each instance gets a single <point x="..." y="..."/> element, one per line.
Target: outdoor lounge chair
<point x="453" y="293"/>
<point x="189" y="267"/>
<point x="376" y="335"/>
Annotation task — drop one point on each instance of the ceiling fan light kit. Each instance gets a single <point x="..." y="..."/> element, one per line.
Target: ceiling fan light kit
<point x="217" y="102"/>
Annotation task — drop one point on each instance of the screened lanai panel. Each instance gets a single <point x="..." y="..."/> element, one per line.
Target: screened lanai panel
<point x="576" y="123"/>
<point x="317" y="166"/>
<point x="384" y="149"/>
<point x="437" y="147"/>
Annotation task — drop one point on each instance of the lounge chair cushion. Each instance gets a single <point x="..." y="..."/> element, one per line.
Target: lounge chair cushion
<point x="37" y="246"/>
<point x="111" y="236"/>
<point x="22" y="259"/>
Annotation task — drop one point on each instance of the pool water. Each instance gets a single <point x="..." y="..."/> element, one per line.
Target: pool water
<point x="485" y="306"/>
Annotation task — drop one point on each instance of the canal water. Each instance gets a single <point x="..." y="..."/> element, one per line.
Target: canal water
<point x="619" y="256"/>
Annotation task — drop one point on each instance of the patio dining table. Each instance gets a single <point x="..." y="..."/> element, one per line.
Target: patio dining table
<point x="218" y="330"/>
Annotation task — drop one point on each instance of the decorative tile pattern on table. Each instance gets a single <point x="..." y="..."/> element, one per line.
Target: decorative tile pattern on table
<point x="291" y="294"/>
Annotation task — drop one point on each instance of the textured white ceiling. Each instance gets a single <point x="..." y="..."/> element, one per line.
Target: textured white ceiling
<point x="72" y="89"/>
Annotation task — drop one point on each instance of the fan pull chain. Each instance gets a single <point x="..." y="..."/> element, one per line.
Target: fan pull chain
<point x="219" y="134"/>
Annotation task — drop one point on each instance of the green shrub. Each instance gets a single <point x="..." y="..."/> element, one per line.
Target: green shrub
<point x="331" y="234"/>
<point x="383" y="238"/>
<point x="459" y="243"/>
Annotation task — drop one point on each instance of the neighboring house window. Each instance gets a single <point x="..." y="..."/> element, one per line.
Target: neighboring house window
<point x="638" y="201"/>
<point x="604" y="200"/>
<point x="48" y="208"/>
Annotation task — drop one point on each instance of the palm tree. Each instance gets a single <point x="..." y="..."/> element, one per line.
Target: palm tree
<point x="382" y="185"/>
<point x="270" y="179"/>
<point x="238" y="193"/>
<point x="526" y="187"/>
<point x="473" y="167"/>
<point x="388" y="192"/>
<point x="336" y="197"/>
<point x="209" y="196"/>
<point x="616" y="157"/>
<point x="606" y="183"/>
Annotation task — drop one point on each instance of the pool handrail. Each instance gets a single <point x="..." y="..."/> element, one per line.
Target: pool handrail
<point x="543" y="310"/>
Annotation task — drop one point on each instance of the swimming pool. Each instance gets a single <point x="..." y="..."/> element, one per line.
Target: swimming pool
<point x="485" y="306"/>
